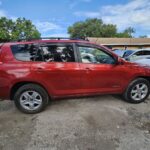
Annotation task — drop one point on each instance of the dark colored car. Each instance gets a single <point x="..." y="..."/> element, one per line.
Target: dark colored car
<point x="32" y="73"/>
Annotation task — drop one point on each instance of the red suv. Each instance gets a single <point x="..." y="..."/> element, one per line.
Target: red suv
<point x="33" y="72"/>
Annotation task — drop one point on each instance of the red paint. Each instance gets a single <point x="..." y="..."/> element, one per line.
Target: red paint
<point x="67" y="79"/>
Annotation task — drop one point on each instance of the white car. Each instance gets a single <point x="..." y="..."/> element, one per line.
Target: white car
<point x="145" y="61"/>
<point x="141" y="56"/>
<point x="134" y="55"/>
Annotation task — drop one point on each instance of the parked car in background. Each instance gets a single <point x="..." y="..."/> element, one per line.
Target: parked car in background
<point x="133" y="55"/>
<point x="139" y="56"/>
<point x="119" y="52"/>
<point x="34" y="72"/>
<point x="144" y="61"/>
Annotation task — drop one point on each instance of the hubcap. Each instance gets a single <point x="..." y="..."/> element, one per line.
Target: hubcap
<point x="30" y="100"/>
<point x="139" y="91"/>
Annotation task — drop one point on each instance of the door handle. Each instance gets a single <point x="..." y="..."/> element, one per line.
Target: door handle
<point x="39" y="69"/>
<point x="88" y="69"/>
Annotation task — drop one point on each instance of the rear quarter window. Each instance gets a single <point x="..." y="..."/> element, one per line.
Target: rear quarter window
<point x="24" y="52"/>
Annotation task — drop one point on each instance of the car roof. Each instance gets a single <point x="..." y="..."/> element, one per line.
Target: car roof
<point x="49" y="41"/>
<point x="79" y="41"/>
<point x="56" y="41"/>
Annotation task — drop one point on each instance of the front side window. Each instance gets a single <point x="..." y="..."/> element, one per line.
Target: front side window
<point x="95" y="55"/>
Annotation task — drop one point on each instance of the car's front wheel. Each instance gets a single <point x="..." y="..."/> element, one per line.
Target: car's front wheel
<point x="31" y="98"/>
<point x="137" y="91"/>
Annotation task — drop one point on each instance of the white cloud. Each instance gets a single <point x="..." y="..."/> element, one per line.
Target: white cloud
<point x="44" y="27"/>
<point x="87" y="14"/>
<point x="135" y="13"/>
<point x="14" y="18"/>
<point x="76" y="2"/>
<point x="2" y="13"/>
<point x="57" y="35"/>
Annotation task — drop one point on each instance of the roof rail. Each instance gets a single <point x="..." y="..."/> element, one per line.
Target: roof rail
<point x="53" y="38"/>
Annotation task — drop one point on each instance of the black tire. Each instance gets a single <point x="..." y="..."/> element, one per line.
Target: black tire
<point x="128" y="95"/>
<point x="31" y="87"/>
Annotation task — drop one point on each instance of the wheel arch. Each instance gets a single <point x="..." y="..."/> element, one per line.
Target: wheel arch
<point x="144" y="77"/>
<point x="17" y="85"/>
<point x="136" y="77"/>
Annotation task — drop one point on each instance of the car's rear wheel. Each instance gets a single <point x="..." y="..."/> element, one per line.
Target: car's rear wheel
<point x="137" y="91"/>
<point x="31" y="98"/>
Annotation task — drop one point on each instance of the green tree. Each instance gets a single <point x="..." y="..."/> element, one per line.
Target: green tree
<point x="92" y="28"/>
<point x="96" y="28"/>
<point x="143" y="36"/>
<point x="6" y="27"/>
<point x="24" y="29"/>
<point x="14" y="30"/>
<point x="129" y="31"/>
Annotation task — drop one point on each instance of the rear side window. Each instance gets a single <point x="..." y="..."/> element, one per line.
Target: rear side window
<point x="24" y="52"/>
<point x="56" y="53"/>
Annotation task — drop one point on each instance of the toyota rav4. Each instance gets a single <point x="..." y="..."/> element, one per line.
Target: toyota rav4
<point x="33" y="72"/>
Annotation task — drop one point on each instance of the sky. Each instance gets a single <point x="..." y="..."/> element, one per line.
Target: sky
<point x="52" y="17"/>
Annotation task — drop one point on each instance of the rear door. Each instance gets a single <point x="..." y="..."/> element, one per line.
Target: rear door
<point x="56" y="66"/>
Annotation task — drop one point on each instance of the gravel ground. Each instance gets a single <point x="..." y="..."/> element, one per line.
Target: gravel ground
<point x="96" y="123"/>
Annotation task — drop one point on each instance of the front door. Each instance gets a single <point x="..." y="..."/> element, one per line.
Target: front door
<point x="100" y="74"/>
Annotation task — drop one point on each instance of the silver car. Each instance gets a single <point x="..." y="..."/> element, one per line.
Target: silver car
<point x="141" y="56"/>
<point x="134" y="55"/>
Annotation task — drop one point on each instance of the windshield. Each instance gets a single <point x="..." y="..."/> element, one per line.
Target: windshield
<point x="127" y="53"/>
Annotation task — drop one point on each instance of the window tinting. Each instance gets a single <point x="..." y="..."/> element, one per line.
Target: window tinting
<point x="94" y="55"/>
<point x="146" y="52"/>
<point x="56" y="53"/>
<point x="141" y="53"/>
